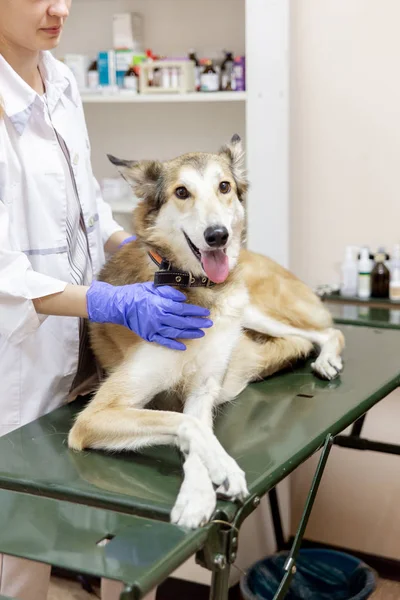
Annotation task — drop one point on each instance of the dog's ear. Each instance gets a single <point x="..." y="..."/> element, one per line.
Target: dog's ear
<point x="234" y="152"/>
<point x="145" y="177"/>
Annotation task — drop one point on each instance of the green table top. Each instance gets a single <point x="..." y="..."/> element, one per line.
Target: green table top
<point x="337" y="297"/>
<point x="364" y="315"/>
<point x="141" y="553"/>
<point x="270" y="429"/>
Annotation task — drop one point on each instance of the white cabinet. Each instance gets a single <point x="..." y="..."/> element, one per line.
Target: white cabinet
<point x="136" y="128"/>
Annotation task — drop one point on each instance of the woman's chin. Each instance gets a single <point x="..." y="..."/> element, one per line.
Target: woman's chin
<point x="50" y="43"/>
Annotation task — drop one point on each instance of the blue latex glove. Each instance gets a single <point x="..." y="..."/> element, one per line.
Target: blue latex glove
<point x="157" y="314"/>
<point x="132" y="238"/>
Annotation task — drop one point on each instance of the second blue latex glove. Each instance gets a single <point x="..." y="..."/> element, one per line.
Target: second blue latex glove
<point x="128" y="240"/>
<point x="156" y="314"/>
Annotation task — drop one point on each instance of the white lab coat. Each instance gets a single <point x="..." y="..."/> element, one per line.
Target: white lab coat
<point x="39" y="355"/>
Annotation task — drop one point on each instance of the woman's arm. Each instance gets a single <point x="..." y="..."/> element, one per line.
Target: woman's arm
<point x="72" y="301"/>
<point x="115" y="240"/>
<point x="69" y="303"/>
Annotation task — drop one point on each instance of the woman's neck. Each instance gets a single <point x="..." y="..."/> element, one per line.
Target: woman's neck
<point x="26" y="64"/>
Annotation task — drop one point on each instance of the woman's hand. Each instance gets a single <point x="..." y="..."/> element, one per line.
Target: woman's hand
<point x="156" y="314"/>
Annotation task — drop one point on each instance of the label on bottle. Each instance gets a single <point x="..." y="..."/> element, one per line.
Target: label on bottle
<point x="209" y="82"/>
<point x="394" y="291"/>
<point x="93" y="80"/>
<point x="130" y="83"/>
<point x="197" y="77"/>
<point x="364" y="285"/>
<point x="238" y="75"/>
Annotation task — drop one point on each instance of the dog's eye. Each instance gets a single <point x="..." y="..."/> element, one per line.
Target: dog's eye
<point x="224" y="187"/>
<point x="182" y="193"/>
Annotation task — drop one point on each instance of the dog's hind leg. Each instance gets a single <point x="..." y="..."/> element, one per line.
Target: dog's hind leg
<point x="254" y="360"/>
<point x="330" y="341"/>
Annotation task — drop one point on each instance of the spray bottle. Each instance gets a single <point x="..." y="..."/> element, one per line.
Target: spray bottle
<point x="364" y="274"/>
<point x="394" y="286"/>
<point x="349" y="274"/>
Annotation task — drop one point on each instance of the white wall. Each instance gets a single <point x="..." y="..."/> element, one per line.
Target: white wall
<point x="345" y="131"/>
<point x="345" y="188"/>
<point x="357" y="506"/>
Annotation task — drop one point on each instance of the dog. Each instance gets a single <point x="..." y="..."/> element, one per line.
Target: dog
<point x="189" y="223"/>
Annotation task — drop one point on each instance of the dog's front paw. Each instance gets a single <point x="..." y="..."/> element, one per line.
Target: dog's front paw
<point x="328" y="366"/>
<point x="224" y="472"/>
<point x="196" y="500"/>
<point x="234" y="486"/>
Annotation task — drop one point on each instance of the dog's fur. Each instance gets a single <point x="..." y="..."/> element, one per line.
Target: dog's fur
<point x="264" y="320"/>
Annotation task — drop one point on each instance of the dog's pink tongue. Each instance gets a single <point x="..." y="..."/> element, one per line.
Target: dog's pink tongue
<point x="216" y="265"/>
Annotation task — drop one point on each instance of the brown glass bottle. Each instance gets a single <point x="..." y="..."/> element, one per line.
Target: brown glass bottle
<point x="227" y="83"/>
<point x="380" y="277"/>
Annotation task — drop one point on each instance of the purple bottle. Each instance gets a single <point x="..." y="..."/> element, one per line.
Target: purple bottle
<point x="239" y="73"/>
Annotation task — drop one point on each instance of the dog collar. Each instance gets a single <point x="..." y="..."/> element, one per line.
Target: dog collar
<point x="168" y="275"/>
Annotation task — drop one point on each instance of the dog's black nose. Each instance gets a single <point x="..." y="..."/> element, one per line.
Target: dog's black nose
<point x="216" y="236"/>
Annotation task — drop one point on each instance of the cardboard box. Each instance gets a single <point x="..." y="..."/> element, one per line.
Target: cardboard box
<point x="128" y="32"/>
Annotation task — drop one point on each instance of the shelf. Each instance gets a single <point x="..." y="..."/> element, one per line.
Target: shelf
<point x="88" y="97"/>
<point x="380" y="302"/>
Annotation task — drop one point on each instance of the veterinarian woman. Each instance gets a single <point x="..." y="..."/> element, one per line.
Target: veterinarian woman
<point x="54" y="228"/>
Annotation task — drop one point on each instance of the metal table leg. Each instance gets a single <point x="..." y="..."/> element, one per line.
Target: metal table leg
<point x="220" y="584"/>
<point x="356" y="442"/>
<point x="290" y="565"/>
<point x="276" y="519"/>
<point x="358" y="425"/>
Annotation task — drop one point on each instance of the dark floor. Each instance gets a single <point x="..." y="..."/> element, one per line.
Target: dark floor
<point x="64" y="589"/>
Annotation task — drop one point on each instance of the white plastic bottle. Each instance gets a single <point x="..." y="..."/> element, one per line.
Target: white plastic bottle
<point x="394" y="285"/>
<point x="175" y="78"/>
<point x="166" y="78"/>
<point x="395" y="256"/>
<point x="349" y="274"/>
<point x="364" y="274"/>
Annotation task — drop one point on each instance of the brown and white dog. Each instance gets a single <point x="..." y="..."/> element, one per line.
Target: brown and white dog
<point x="191" y="214"/>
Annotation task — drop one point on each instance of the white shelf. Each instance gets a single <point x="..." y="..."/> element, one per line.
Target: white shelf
<point x="88" y="97"/>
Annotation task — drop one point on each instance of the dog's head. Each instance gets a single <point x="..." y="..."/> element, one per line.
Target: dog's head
<point x="191" y="208"/>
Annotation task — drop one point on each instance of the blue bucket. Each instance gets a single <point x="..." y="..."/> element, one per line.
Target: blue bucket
<point x="321" y="575"/>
